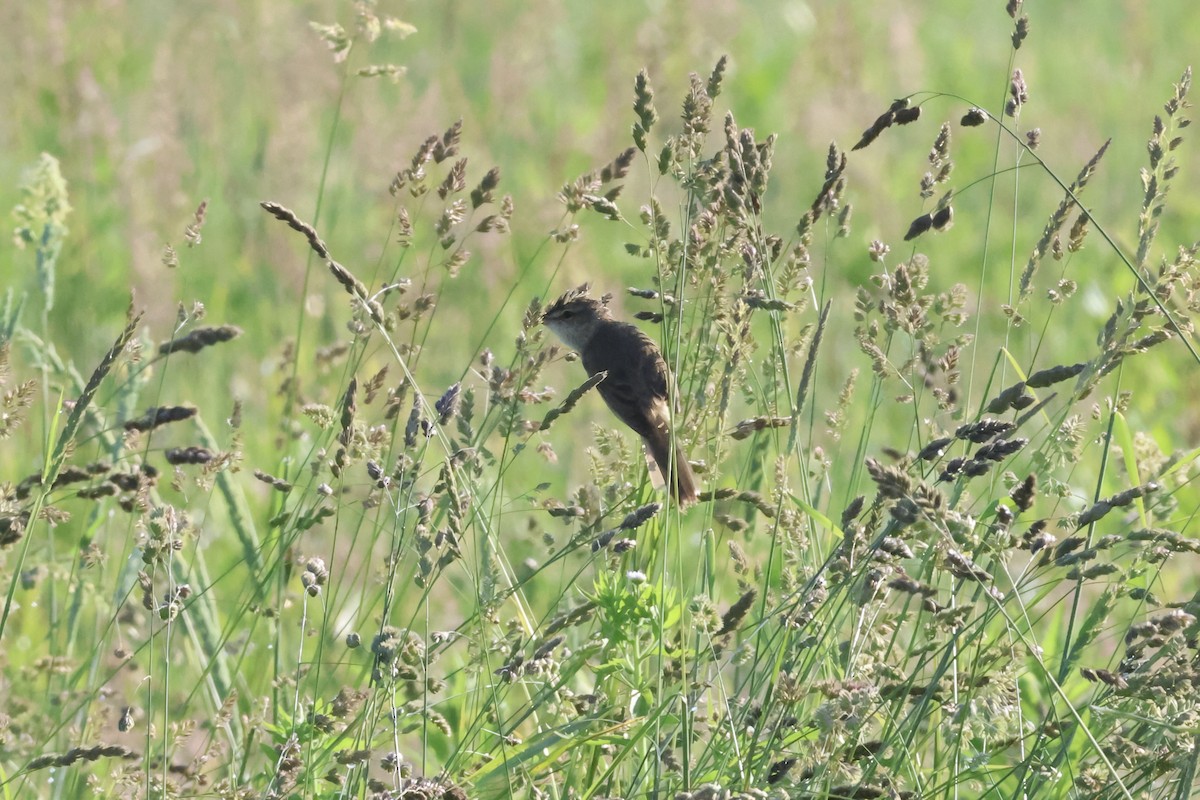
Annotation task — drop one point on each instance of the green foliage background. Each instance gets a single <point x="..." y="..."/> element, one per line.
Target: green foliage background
<point x="153" y="107"/>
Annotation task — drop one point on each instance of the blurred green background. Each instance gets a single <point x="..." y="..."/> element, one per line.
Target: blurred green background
<point x="153" y="107"/>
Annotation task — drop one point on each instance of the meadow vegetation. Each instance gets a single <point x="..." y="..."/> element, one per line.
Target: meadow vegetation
<point x="300" y="499"/>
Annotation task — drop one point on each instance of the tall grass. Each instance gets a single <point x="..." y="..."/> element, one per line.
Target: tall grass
<point x="934" y="557"/>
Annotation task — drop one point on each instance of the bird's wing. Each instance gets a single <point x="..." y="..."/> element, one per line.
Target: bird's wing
<point x="629" y="386"/>
<point x="655" y="374"/>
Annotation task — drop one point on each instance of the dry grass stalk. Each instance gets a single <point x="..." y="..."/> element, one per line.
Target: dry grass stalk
<point x="160" y="415"/>
<point x="199" y="339"/>
<point x="1057" y="220"/>
<point x="295" y="223"/>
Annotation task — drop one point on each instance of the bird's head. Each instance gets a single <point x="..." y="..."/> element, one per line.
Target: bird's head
<point x="575" y="316"/>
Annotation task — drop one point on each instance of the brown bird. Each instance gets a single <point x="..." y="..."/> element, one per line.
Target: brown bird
<point x="636" y="388"/>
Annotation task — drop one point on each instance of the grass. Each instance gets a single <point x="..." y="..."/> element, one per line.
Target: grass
<point x="335" y="517"/>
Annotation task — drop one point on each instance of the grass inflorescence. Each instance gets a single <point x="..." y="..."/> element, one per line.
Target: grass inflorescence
<point x="933" y="554"/>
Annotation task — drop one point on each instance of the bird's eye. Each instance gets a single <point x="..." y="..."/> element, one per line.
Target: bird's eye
<point x="566" y="314"/>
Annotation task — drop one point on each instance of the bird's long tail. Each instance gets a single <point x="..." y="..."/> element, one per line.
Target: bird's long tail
<point x="683" y="482"/>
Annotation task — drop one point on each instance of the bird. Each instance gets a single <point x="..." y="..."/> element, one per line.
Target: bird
<point x="636" y="387"/>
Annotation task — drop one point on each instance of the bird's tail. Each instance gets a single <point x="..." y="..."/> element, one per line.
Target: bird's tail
<point x="683" y="482"/>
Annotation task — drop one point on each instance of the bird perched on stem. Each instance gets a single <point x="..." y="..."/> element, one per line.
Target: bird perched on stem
<point x="636" y="387"/>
